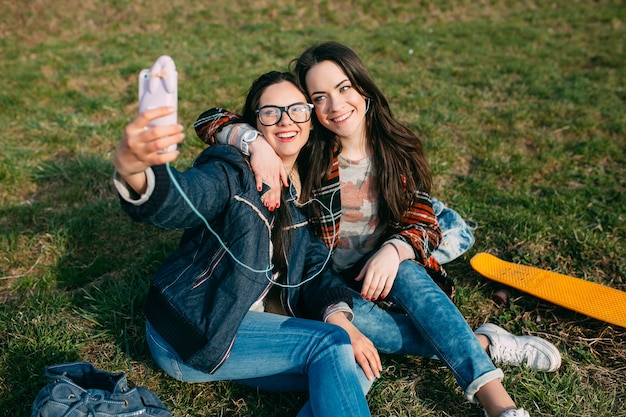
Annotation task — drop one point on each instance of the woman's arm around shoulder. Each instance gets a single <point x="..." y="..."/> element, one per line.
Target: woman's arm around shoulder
<point x="220" y="126"/>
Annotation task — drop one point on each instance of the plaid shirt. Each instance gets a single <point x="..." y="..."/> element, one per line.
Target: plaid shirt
<point x="418" y="228"/>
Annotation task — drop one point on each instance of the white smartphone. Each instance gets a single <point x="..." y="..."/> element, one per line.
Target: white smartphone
<point x="158" y="87"/>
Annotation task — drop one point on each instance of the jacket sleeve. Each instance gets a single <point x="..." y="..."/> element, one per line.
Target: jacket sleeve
<point x="326" y="289"/>
<point x="212" y="121"/>
<point x="206" y="190"/>
<point x="419" y="228"/>
<point x="223" y="127"/>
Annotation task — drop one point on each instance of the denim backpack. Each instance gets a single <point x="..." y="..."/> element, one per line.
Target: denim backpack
<point x="79" y="390"/>
<point x="457" y="233"/>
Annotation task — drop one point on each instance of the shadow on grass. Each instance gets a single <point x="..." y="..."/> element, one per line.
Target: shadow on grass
<point x="87" y="303"/>
<point x="83" y="297"/>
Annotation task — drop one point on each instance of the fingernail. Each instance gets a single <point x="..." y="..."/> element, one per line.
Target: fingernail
<point x="271" y="208"/>
<point x="259" y="188"/>
<point x="382" y="297"/>
<point x="363" y="295"/>
<point x="277" y="205"/>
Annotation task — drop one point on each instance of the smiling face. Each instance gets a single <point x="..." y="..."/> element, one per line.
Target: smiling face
<point x="338" y="105"/>
<point x="286" y="137"/>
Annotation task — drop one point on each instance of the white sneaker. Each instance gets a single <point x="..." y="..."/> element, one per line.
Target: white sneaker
<point x="520" y="412"/>
<point x="509" y="349"/>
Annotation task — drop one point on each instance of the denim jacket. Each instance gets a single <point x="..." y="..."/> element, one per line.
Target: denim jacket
<point x="200" y="294"/>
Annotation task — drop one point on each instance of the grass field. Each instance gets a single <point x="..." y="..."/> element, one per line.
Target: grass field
<point x="521" y="106"/>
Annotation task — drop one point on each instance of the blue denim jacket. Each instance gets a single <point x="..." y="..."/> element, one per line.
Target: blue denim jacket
<point x="199" y="296"/>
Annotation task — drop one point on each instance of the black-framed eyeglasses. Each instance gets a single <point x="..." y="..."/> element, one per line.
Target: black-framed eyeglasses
<point x="271" y="115"/>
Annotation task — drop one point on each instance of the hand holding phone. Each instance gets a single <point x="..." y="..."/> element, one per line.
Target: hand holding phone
<point x="158" y="87"/>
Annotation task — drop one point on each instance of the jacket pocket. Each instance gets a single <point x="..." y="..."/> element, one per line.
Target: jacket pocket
<point x="207" y="272"/>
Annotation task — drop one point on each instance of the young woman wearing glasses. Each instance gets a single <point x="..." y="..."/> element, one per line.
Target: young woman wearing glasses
<point x="206" y="308"/>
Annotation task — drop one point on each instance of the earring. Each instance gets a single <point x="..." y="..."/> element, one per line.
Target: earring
<point x="367" y="104"/>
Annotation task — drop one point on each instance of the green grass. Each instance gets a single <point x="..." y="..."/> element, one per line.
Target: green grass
<point x="521" y="106"/>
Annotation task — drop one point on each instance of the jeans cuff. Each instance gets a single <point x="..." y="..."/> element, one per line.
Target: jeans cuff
<point x="477" y="384"/>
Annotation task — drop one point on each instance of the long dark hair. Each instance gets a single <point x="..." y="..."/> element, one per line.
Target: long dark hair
<point x="398" y="155"/>
<point x="281" y="233"/>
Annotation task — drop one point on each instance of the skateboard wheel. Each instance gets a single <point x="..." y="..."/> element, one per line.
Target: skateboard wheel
<point x="501" y="297"/>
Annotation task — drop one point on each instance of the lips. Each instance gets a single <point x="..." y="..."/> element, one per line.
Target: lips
<point x="342" y="118"/>
<point x="286" y="136"/>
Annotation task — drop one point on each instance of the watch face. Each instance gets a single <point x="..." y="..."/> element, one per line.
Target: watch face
<point x="249" y="136"/>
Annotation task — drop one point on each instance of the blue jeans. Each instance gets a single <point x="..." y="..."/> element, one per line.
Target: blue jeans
<point x="283" y="354"/>
<point x="433" y="328"/>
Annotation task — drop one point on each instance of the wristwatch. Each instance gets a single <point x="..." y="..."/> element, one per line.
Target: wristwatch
<point x="248" y="135"/>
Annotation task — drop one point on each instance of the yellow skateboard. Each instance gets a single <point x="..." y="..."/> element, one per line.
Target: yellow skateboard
<point x="594" y="300"/>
